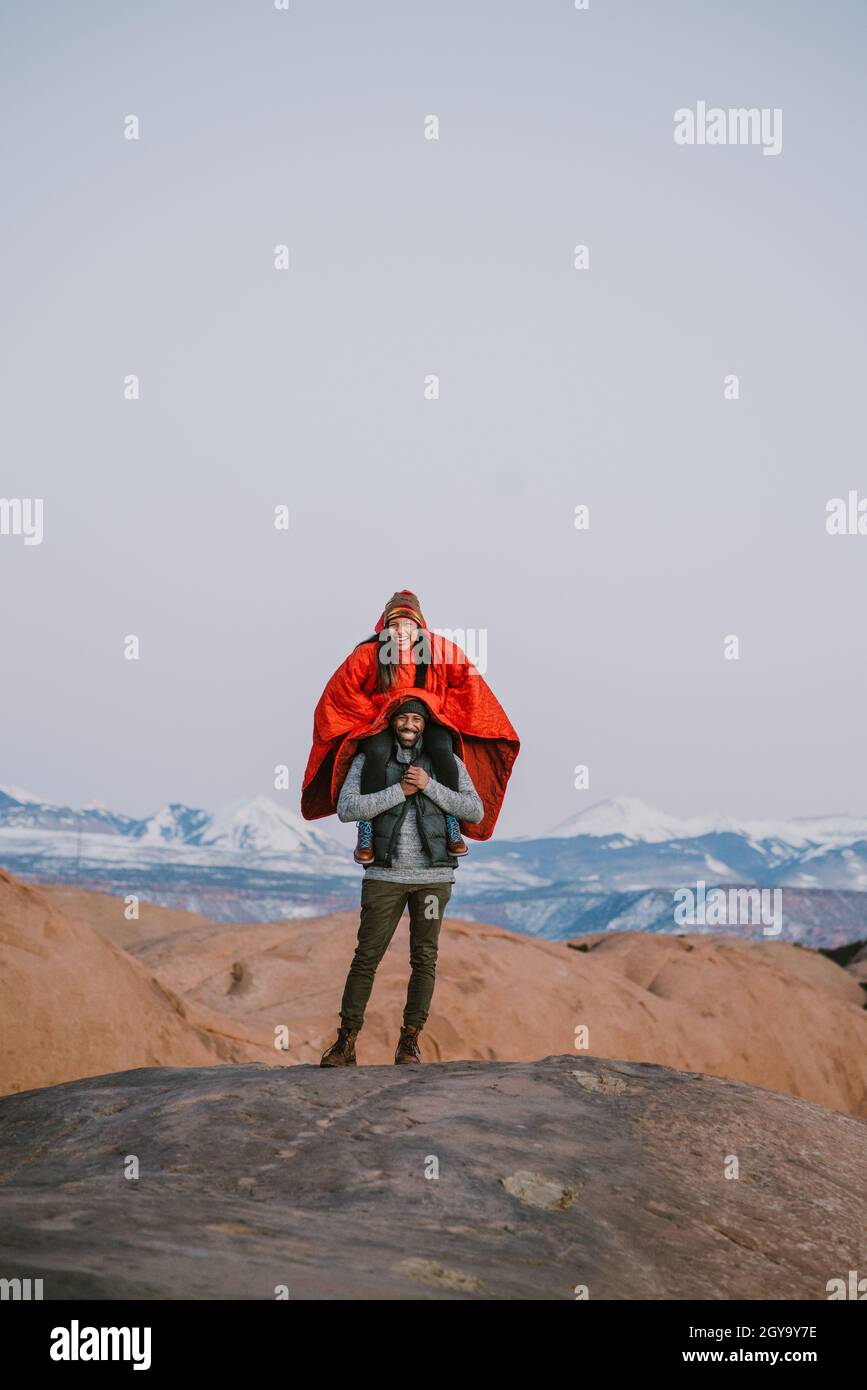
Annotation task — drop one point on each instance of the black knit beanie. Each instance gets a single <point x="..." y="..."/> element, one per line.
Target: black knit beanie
<point x="411" y="707"/>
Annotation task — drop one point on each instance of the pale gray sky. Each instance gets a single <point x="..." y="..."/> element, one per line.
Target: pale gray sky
<point x="454" y="257"/>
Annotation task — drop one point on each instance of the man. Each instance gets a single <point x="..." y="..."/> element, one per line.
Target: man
<point x="412" y="867"/>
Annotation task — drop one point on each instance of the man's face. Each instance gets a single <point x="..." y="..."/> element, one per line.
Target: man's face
<point x="408" y="729"/>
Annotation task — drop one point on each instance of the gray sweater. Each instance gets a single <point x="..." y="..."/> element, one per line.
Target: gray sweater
<point x="411" y="860"/>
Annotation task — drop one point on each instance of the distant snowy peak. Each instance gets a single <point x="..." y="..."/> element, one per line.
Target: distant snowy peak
<point x="174" y="823"/>
<point x="25" y="811"/>
<point x="251" y="825"/>
<point x="22" y="797"/>
<point x="262" y="826"/>
<point x="629" y="820"/>
<point x="827" y="829"/>
<point x="626" y="818"/>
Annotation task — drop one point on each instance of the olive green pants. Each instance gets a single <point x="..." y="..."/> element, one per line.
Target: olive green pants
<point x="382" y="905"/>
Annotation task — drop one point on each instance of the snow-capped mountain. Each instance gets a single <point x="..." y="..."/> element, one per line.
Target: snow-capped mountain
<point x="248" y="827"/>
<point x="174" y="823"/>
<point x="625" y="845"/>
<point x="613" y="865"/>
<point x="263" y="827"/>
<point x="22" y="809"/>
<point x="18" y="794"/>
<point x="630" y="820"/>
<point x="625" y="818"/>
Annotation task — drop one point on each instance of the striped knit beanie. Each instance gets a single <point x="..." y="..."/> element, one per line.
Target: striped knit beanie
<point x="403" y="604"/>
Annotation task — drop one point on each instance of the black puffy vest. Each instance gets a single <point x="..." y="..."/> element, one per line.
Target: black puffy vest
<point x="430" y="819"/>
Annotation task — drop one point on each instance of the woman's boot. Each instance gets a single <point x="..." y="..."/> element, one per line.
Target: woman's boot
<point x="453" y="830"/>
<point x="364" y="846"/>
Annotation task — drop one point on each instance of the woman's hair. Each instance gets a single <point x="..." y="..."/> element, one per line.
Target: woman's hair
<point x="386" y="669"/>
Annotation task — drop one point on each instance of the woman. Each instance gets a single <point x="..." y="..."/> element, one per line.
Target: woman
<point x="401" y="657"/>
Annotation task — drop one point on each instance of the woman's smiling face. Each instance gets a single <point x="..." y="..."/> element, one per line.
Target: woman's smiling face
<point x="405" y="630"/>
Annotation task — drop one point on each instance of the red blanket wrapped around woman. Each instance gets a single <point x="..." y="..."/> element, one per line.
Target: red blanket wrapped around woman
<point x="352" y="706"/>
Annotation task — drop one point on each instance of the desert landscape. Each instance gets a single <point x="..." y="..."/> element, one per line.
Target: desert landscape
<point x="86" y="991"/>
<point x="193" y="1046"/>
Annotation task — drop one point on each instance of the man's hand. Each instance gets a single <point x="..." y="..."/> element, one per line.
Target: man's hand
<point x="415" y="779"/>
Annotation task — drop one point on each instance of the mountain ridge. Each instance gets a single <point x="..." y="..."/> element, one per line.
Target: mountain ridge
<point x="254" y="859"/>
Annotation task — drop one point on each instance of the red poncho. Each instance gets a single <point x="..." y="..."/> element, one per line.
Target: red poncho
<point x="352" y="706"/>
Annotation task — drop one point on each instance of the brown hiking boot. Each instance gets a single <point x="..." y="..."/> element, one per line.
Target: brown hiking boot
<point x="407" y="1048"/>
<point x="342" y="1052"/>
